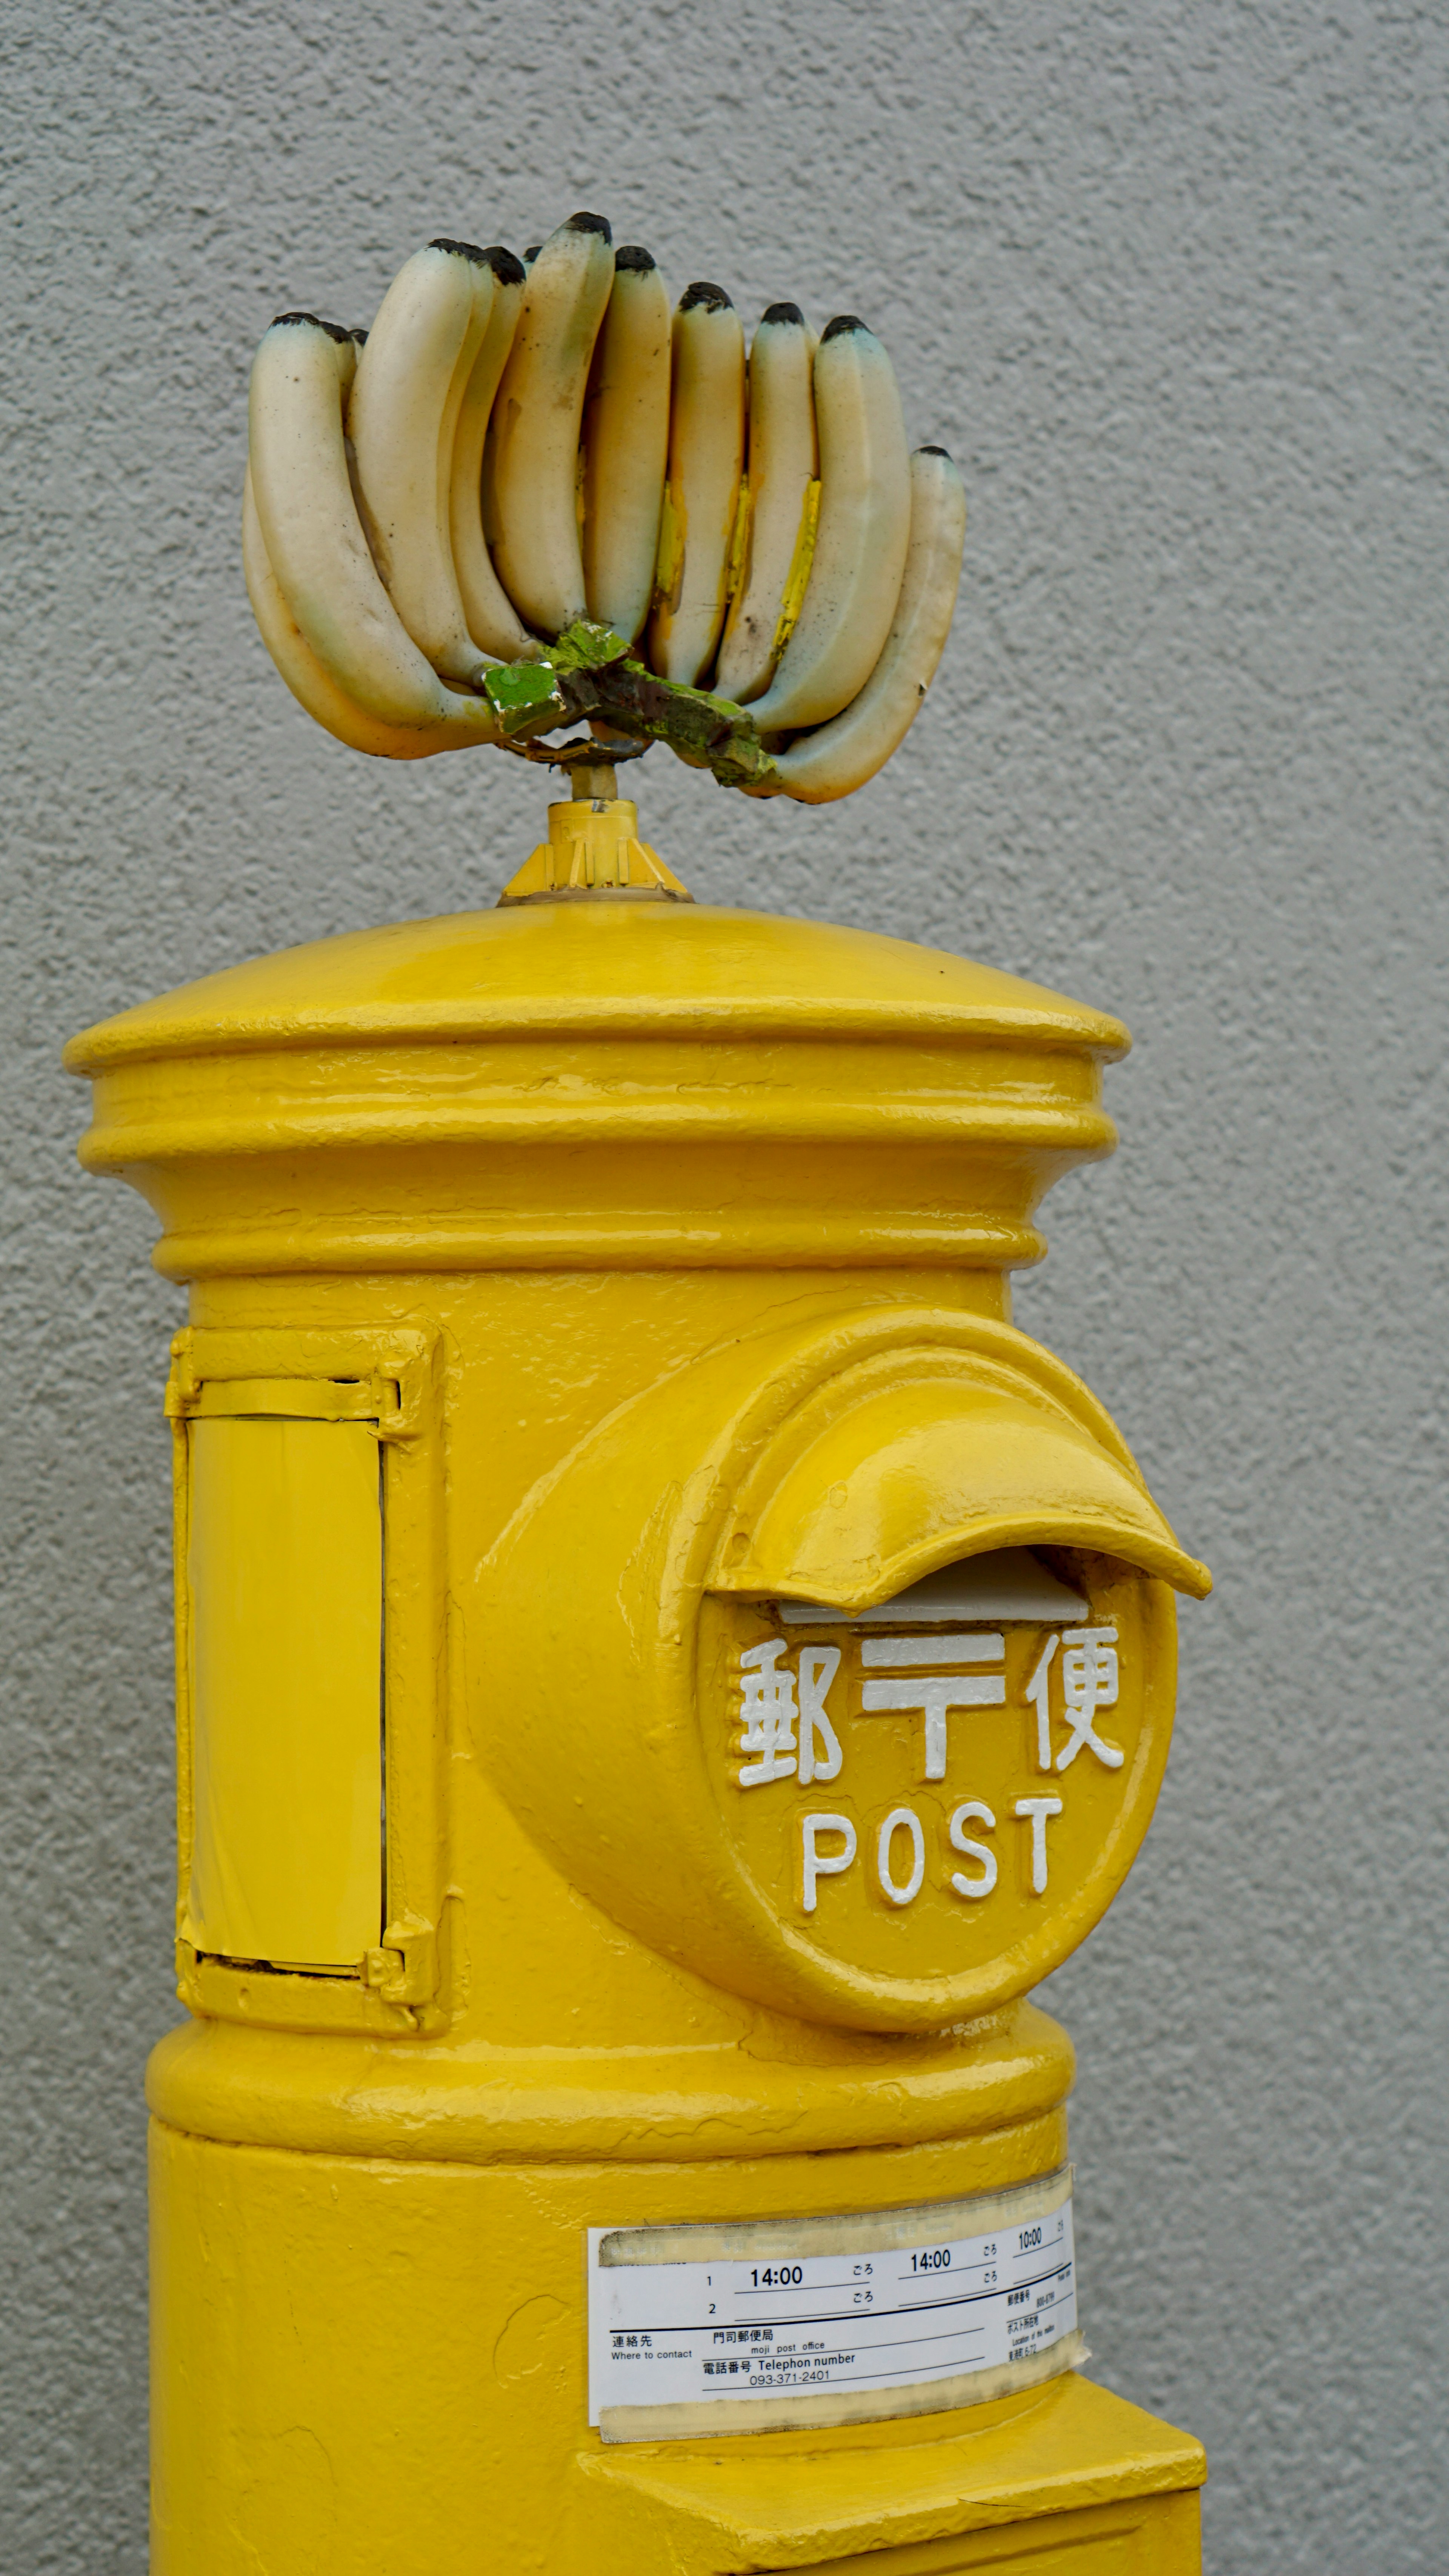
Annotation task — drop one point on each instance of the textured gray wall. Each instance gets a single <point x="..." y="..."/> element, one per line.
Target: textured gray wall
<point x="1170" y="282"/>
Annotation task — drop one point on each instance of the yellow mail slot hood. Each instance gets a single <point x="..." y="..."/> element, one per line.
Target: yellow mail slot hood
<point x="896" y="1479"/>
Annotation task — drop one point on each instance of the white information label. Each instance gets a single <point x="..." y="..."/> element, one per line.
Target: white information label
<point x="830" y="2319"/>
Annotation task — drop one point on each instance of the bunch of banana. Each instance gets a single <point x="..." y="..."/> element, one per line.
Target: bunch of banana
<point x="530" y="495"/>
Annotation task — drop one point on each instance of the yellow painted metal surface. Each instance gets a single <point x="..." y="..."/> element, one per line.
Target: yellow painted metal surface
<point x="778" y="1666"/>
<point x="284" y="1572"/>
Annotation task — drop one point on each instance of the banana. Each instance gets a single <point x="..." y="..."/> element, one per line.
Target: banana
<point x="491" y="616"/>
<point x="626" y="446"/>
<point x="840" y="756"/>
<point x="313" y="687"/>
<point x="402" y="416"/>
<point x="530" y="467"/>
<point x="783" y="464"/>
<point x="706" y="462"/>
<point x="314" y="540"/>
<point x="860" y="547"/>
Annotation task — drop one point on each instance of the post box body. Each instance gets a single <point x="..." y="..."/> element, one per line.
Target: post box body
<point x="664" y="1668"/>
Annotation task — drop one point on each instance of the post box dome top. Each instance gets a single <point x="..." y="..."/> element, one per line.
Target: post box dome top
<point x="651" y="969"/>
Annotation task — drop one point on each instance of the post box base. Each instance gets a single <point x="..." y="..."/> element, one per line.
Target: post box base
<point x="997" y="2490"/>
<point x="379" y="2365"/>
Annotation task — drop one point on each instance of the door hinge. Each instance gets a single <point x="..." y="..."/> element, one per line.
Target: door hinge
<point x="405" y="1969"/>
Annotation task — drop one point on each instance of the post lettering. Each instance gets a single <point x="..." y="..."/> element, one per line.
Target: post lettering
<point x="972" y="1812"/>
<point x="901" y="1820"/>
<point x="1038" y="1810"/>
<point x="814" y="1863"/>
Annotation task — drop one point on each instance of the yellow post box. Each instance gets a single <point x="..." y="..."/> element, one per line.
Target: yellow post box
<point x="664" y="1668"/>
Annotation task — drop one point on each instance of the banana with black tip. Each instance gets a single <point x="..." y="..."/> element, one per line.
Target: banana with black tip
<point x="314" y="539"/>
<point x="530" y="467"/>
<point x="706" y="463"/>
<point x="402" y="417"/>
<point x="781" y="470"/>
<point x="626" y="445"/>
<point x="492" y="619"/>
<point x="861" y="541"/>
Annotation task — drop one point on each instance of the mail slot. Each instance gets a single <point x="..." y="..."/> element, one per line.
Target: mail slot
<point x="664" y="1668"/>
